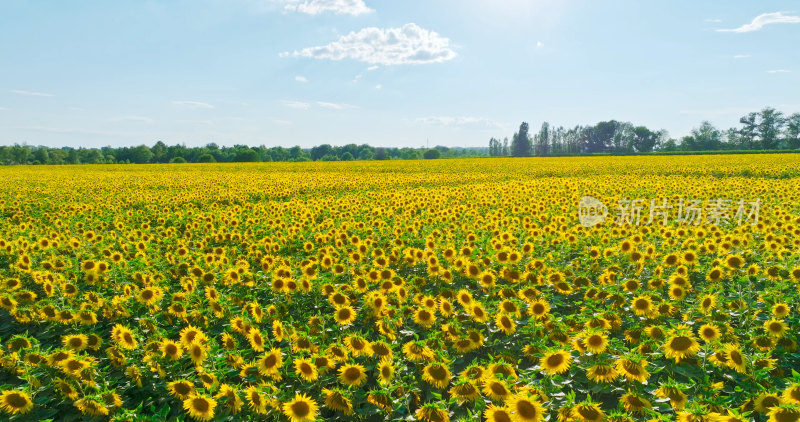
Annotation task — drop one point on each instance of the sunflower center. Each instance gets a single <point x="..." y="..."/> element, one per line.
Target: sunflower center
<point x="555" y="360"/>
<point x="588" y="412"/>
<point x="538" y="309"/>
<point x="526" y="409"/>
<point x="270" y="361"/>
<point x="595" y="341"/>
<point x="183" y="389"/>
<point x="785" y="415"/>
<point x="681" y="343"/>
<point x="200" y="405"/>
<point x="498" y="389"/>
<point x="776" y="327"/>
<point x="502" y="417"/>
<point x="352" y="374"/>
<point x="306" y="369"/>
<point x="438" y="372"/>
<point x="171" y="349"/>
<point x="301" y="409"/>
<point x="16" y="400"/>
<point x="386" y="372"/>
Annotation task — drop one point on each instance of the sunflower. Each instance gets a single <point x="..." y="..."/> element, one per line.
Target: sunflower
<point x="588" y="412"/>
<point x="556" y="362"/>
<point x="496" y="389"/>
<point x="197" y="353"/>
<point x="424" y="317"/>
<point x="228" y="396"/>
<point x="338" y="401"/>
<point x="352" y="375"/>
<point x="75" y="342"/>
<point x="478" y="313"/>
<point x="780" y="310"/>
<point x="180" y="389"/>
<point x="792" y="393"/>
<point x="596" y="342"/>
<point x="709" y="332"/>
<point x="734" y="262"/>
<point x="632" y="369"/>
<point x="191" y="334"/>
<point x="301" y="409"/>
<point x="256" y="401"/>
<point x="358" y="346"/>
<point x="385" y="371"/>
<point x="306" y="369"/>
<point x="784" y="413"/>
<point x="200" y="407"/>
<point x="635" y="403"/>
<point x="525" y="409"/>
<point x="431" y="412"/>
<point x="256" y="340"/>
<point x="677" y="398"/>
<point x="465" y="391"/>
<point x="602" y="373"/>
<point x="736" y="359"/>
<point x="505" y="323"/>
<point x="417" y="351"/>
<point x="642" y="305"/>
<point x="271" y="363"/>
<point x="497" y="414"/>
<point x="380" y="399"/>
<point x="680" y="346"/>
<point x="124" y="337"/>
<point x="345" y="315"/>
<point x="766" y="401"/>
<point x="437" y="375"/>
<point x="775" y="327"/>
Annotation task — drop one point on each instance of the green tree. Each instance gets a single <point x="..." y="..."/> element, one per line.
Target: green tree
<point x="792" y="134"/>
<point x="748" y="131"/>
<point x="432" y="154"/>
<point x="178" y="160"/>
<point x="206" y="158"/>
<point x="644" y="140"/>
<point x="140" y="154"/>
<point x="770" y="127"/>
<point x="521" y="142"/>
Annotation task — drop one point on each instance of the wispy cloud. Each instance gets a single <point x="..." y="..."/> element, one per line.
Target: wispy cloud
<point x="193" y="104"/>
<point x="282" y="122"/>
<point x="297" y="105"/>
<point x="378" y="86"/>
<point x="762" y="20"/>
<point x="741" y="56"/>
<point x="339" y="7"/>
<point x="778" y="71"/>
<point x="299" y="78"/>
<point x="409" y="44"/>
<point x="141" y="119"/>
<point x="31" y="93"/>
<point x="712" y="20"/>
<point x="458" y="121"/>
<point x="539" y="44"/>
<point x="371" y="68"/>
<point x="3" y="109"/>
<point x="334" y="106"/>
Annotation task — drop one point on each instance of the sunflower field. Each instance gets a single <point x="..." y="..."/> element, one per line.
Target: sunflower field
<point x="436" y="290"/>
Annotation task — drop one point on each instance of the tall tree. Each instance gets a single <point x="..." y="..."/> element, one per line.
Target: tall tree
<point x="792" y="134"/>
<point x="644" y="140"/>
<point x="770" y="127"/>
<point x="749" y="130"/>
<point x="521" y="144"/>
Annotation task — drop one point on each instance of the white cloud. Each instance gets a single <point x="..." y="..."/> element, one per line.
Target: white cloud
<point x="31" y="94"/>
<point x="778" y="71"/>
<point x="371" y="68"/>
<point x="458" y="121"/>
<point x="357" y="77"/>
<point x="339" y="7"/>
<point x="132" y="119"/>
<point x="193" y="104"/>
<point x="297" y="105"/>
<point x="300" y="79"/>
<point x="741" y="56"/>
<point x="763" y="19"/>
<point x="3" y="109"/>
<point x="378" y="86"/>
<point x="334" y="106"/>
<point x="409" y="44"/>
<point x="283" y="54"/>
<point x="539" y="44"/>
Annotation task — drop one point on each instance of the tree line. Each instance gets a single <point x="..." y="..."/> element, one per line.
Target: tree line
<point x="768" y="129"/>
<point x="162" y="153"/>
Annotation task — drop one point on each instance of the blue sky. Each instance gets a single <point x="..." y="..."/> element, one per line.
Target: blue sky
<point x="383" y="72"/>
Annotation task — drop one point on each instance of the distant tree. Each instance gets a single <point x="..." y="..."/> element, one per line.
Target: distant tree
<point x="297" y="154"/>
<point x="159" y="151"/>
<point x="381" y="154"/>
<point x="792" y="134"/>
<point x="320" y="151"/>
<point x="644" y="140"/>
<point x="140" y="154"/>
<point x="432" y="154"/>
<point x="749" y="130"/>
<point x="347" y="156"/>
<point x="669" y="145"/>
<point x="770" y="127"/>
<point x="178" y="160"/>
<point x="206" y="158"/>
<point x="42" y="155"/>
<point x="366" y="154"/>
<point x="601" y="138"/>
<point x="521" y="143"/>
<point x="541" y="144"/>
<point x="706" y="137"/>
<point x="247" y="156"/>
